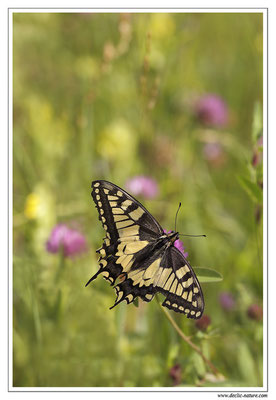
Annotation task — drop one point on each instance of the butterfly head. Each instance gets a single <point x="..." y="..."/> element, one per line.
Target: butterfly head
<point x="172" y="236"/>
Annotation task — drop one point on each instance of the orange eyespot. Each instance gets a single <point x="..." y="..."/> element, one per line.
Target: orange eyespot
<point x="122" y="277"/>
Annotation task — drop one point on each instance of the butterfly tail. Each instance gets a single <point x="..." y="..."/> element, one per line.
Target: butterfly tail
<point x="93" y="277"/>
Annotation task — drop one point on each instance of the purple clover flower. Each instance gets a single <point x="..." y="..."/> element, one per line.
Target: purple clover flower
<point x="211" y="110"/>
<point x="214" y="154"/>
<point x="142" y="186"/>
<point x="71" y="241"/>
<point x="175" y="374"/>
<point x="203" y="322"/>
<point x="227" y="301"/>
<point x="179" y="245"/>
<point x="255" y="312"/>
<point x="257" y="157"/>
<point x="212" y="151"/>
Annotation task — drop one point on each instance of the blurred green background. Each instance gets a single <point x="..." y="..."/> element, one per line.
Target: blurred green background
<point x="113" y="96"/>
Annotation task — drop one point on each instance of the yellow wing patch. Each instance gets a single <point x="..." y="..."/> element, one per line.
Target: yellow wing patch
<point x="124" y="224"/>
<point x="117" y="211"/>
<point x="130" y="231"/>
<point x="134" y="247"/>
<point x="125" y="204"/>
<point x="152" y="269"/>
<point x="120" y="217"/>
<point x="136" y="214"/>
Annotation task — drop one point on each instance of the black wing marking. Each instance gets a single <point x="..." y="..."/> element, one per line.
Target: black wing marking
<point x="129" y="229"/>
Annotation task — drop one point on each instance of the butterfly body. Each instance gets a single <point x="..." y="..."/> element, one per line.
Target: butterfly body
<point x="140" y="257"/>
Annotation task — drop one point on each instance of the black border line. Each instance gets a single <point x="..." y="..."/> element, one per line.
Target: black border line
<point x="138" y="8"/>
<point x="267" y="269"/>
<point x="267" y="247"/>
<point x="8" y="191"/>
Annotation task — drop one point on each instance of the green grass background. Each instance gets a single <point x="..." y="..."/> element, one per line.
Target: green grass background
<point x="108" y="96"/>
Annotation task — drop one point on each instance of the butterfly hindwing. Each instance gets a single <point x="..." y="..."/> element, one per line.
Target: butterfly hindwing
<point x="134" y="253"/>
<point x="180" y="285"/>
<point x="169" y="274"/>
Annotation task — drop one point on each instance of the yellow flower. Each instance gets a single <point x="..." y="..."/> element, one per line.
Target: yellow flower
<point x="50" y="132"/>
<point x="117" y="141"/>
<point x="162" y="25"/>
<point x="86" y="67"/>
<point x="32" y="204"/>
<point x="39" y="204"/>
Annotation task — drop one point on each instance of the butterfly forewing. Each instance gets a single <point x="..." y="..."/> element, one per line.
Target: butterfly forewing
<point x="131" y="256"/>
<point x="129" y="228"/>
<point x="121" y="210"/>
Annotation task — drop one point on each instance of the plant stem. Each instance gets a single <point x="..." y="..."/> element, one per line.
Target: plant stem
<point x="61" y="265"/>
<point x="188" y="341"/>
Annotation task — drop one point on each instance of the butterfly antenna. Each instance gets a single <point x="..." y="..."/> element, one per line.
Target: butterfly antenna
<point x="176" y="216"/>
<point x="181" y="234"/>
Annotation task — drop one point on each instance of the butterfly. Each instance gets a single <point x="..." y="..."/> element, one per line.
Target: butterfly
<point x="139" y="258"/>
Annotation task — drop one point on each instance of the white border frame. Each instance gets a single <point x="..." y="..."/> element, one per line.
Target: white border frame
<point x="205" y="390"/>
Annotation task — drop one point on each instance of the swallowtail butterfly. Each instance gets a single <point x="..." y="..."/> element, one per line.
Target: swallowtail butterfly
<point x="141" y="256"/>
